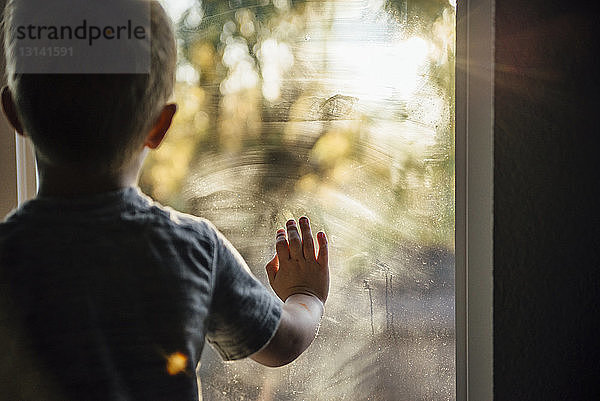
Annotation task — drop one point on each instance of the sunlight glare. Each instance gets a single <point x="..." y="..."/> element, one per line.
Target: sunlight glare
<point x="187" y="73"/>
<point x="176" y="8"/>
<point x="374" y="71"/>
<point x="276" y="59"/>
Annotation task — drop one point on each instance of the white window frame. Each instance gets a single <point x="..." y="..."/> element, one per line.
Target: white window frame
<point x="27" y="180"/>
<point x="474" y="194"/>
<point x="474" y="199"/>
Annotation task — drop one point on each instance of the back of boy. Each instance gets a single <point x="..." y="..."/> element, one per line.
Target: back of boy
<point x="117" y="293"/>
<point x="107" y="295"/>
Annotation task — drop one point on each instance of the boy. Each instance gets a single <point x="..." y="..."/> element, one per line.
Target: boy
<point x="110" y="296"/>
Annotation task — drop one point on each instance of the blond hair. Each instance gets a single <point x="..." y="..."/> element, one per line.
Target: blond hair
<point x="92" y="121"/>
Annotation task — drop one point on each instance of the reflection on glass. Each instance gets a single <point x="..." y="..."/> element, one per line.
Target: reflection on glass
<point x="343" y="111"/>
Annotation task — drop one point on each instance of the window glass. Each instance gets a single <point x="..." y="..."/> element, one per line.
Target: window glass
<point x="342" y="111"/>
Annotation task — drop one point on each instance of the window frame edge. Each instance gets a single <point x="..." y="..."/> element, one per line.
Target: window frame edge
<point x="474" y="199"/>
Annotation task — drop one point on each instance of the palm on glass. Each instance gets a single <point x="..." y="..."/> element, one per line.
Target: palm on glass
<point x="296" y="268"/>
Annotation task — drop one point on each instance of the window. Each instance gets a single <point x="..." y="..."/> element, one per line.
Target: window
<point x="344" y="111"/>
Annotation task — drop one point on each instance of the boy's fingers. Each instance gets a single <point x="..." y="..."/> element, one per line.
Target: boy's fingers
<point x="294" y="240"/>
<point x="308" y="244"/>
<point x="281" y="246"/>
<point x="323" y="257"/>
<point x="272" y="268"/>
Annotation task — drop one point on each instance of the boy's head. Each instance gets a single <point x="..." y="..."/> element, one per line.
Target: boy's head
<point x="91" y="122"/>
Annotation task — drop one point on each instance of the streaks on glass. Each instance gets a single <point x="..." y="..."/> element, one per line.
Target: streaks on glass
<point x="343" y="111"/>
<point x="335" y="108"/>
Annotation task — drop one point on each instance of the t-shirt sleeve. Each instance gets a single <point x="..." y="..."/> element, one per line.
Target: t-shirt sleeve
<point x="244" y="314"/>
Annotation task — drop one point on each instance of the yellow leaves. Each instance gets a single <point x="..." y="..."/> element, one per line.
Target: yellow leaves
<point x="309" y="183"/>
<point x="331" y="147"/>
<point x="167" y="167"/>
<point x="190" y="99"/>
<point x="203" y="55"/>
<point x="176" y="363"/>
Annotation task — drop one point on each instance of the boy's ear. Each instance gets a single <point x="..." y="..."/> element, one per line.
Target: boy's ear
<point x="10" y="111"/>
<point x="158" y="131"/>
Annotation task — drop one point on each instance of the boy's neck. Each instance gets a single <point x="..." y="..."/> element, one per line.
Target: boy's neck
<point x="71" y="183"/>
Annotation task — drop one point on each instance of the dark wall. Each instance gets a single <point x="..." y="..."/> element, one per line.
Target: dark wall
<point x="546" y="235"/>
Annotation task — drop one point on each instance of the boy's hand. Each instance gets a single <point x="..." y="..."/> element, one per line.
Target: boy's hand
<point x="294" y="269"/>
<point x="301" y="280"/>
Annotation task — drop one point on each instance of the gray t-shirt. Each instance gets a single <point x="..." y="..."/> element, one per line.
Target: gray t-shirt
<point x="115" y="295"/>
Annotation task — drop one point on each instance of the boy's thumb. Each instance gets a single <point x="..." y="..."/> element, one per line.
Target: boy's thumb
<point x="272" y="268"/>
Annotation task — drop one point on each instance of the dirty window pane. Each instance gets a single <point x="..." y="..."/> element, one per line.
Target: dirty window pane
<point x="343" y="111"/>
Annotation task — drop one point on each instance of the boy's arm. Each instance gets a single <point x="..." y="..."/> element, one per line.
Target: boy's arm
<point x="298" y="327"/>
<point x="301" y="280"/>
